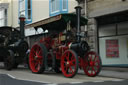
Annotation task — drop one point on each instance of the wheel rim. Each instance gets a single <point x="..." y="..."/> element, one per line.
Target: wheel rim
<point x="69" y="64"/>
<point x="8" y="62"/>
<point x="36" y="58"/>
<point x="92" y="64"/>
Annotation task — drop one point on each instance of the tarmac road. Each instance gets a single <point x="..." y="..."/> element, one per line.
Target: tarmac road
<point x="23" y="76"/>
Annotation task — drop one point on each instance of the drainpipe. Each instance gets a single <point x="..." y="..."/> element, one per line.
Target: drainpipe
<point x="11" y="13"/>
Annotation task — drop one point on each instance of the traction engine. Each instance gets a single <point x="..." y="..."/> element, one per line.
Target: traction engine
<point x="13" y="47"/>
<point x="64" y="51"/>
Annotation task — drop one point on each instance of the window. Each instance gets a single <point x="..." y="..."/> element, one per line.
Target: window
<point x="64" y="5"/>
<point x="3" y="17"/>
<point x="25" y="8"/>
<point x="107" y="30"/>
<point x="29" y="10"/>
<point x="54" y="6"/>
<point x="58" y="7"/>
<point x="122" y="28"/>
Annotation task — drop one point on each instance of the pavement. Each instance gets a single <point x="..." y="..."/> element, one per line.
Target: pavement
<point x="114" y="72"/>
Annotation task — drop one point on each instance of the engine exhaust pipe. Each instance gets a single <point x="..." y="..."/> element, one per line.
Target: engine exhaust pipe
<point x="78" y="14"/>
<point x="22" y="24"/>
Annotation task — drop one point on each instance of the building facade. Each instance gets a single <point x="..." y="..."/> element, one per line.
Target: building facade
<point x="108" y="30"/>
<point x="34" y="10"/>
<point x="107" y="26"/>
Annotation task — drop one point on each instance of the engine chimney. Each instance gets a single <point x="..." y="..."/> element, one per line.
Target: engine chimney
<point x="78" y="13"/>
<point x="22" y="23"/>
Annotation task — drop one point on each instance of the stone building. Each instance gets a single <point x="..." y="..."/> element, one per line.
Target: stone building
<point x="108" y="30"/>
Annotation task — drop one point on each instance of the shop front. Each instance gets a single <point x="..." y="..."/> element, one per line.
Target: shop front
<point x="113" y="39"/>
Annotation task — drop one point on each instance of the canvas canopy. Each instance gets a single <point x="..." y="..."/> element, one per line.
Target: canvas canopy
<point x="58" y="22"/>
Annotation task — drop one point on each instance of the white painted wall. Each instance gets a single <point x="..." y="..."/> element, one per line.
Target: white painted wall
<point x="71" y="5"/>
<point x="40" y="11"/>
<point x="123" y="51"/>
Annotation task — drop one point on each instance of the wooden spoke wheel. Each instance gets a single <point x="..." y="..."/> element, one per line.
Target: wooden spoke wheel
<point x="69" y="63"/>
<point x="37" y="57"/>
<point x="9" y="60"/>
<point x="92" y="64"/>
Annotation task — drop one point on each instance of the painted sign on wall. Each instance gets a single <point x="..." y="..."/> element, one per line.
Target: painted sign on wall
<point x="112" y="48"/>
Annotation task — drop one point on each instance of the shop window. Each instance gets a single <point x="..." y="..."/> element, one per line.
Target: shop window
<point x="57" y="7"/>
<point x="3" y="17"/>
<point x="25" y="8"/>
<point x="123" y="28"/>
<point x="107" y="30"/>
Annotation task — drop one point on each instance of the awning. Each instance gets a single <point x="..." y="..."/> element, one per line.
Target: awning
<point x="58" y="22"/>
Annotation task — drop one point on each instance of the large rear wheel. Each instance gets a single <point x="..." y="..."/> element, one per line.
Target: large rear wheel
<point x="9" y="60"/>
<point x="37" y="57"/>
<point x="92" y="64"/>
<point x="69" y="63"/>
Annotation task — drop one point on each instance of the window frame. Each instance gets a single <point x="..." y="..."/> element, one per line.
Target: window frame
<point x="4" y="18"/>
<point x="26" y="10"/>
<point x="64" y="10"/>
<point x="61" y="10"/>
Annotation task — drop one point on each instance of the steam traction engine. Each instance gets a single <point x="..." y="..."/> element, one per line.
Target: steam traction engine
<point x="13" y="47"/>
<point x="62" y="49"/>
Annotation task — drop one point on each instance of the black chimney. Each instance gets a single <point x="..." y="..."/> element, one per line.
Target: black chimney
<point x="22" y="23"/>
<point x="78" y="14"/>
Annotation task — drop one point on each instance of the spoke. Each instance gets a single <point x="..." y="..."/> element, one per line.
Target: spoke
<point x="66" y="68"/>
<point x="39" y="52"/>
<point x="67" y="57"/>
<point x="34" y="55"/>
<point x="88" y="68"/>
<point x="38" y="67"/>
<point x="71" y="69"/>
<point x="39" y="57"/>
<point x="97" y="61"/>
<point x="38" y="48"/>
<point x="33" y="50"/>
<point x="91" y="72"/>
<point x="36" y="63"/>
<point x="73" y="60"/>
<point x="97" y="66"/>
<point x="93" y="69"/>
<point x="72" y="64"/>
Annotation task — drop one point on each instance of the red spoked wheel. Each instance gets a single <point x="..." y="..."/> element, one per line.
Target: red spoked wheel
<point x="36" y="58"/>
<point x="69" y="63"/>
<point x="92" y="64"/>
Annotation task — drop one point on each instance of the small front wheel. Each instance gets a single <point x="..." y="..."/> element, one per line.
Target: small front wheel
<point x="92" y="64"/>
<point x="69" y="63"/>
<point x="37" y="57"/>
